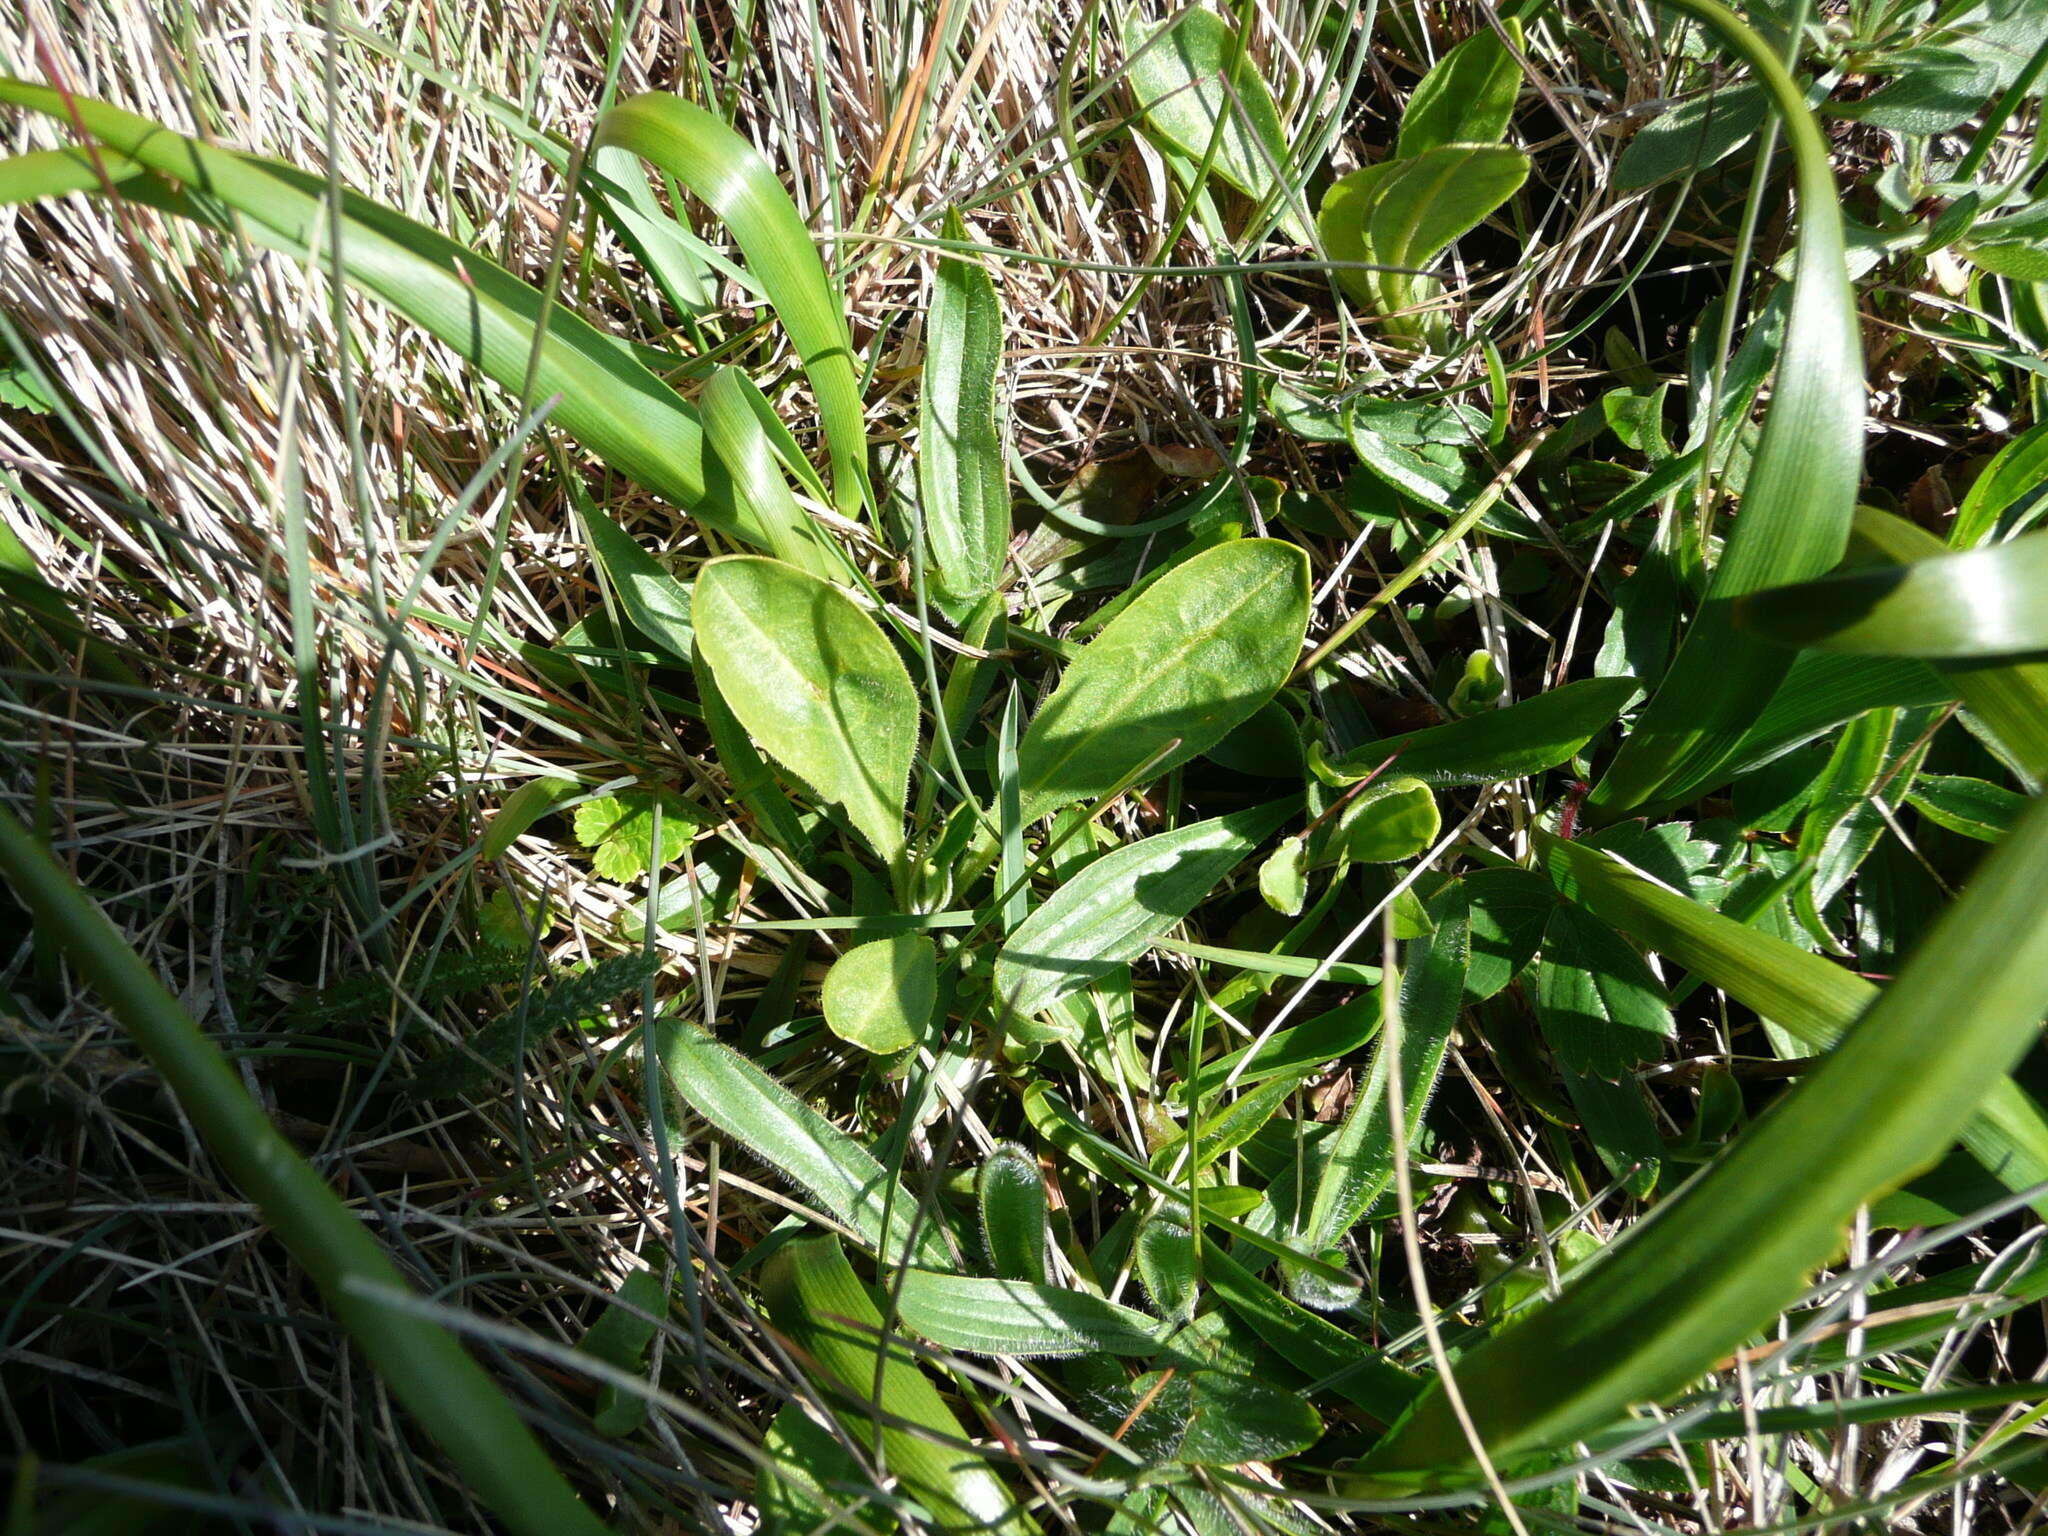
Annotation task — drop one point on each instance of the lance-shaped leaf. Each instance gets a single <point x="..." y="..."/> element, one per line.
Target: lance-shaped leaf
<point x="738" y="423"/>
<point x="817" y="1302"/>
<point x="815" y="682"/>
<point x="1718" y="1260"/>
<point x="1194" y="656"/>
<point x="1111" y="911"/>
<point x="609" y="401"/>
<point x="1495" y="744"/>
<point x="1796" y="501"/>
<point x="1468" y="95"/>
<point x="1990" y="601"/>
<point x="960" y="475"/>
<point x="702" y="153"/>
<point x="1600" y="1007"/>
<point x="751" y="1107"/>
<point x="1805" y="995"/>
<point x="1016" y="1317"/>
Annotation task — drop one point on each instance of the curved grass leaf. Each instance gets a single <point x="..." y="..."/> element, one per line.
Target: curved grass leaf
<point x="961" y="477"/>
<point x="766" y="512"/>
<point x="1991" y="601"/>
<point x="1016" y="1317"/>
<point x="610" y="403"/>
<point x="426" y="1366"/>
<point x="1805" y="995"/>
<point x="817" y="1302"/>
<point x="814" y="681"/>
<point x="1194" y="656"/>
<point x="1797" y="499"/>
<point x="1467" y="97"/>
<point x="1718" y="1260"/>
<point x="1496" y="744"/>
<point x="1009" y="1193"/>
<point x="842" y="1176"/>
<point x="2013" y="482"/>
<point x="1110" y="912"/>
<point x="735" y="182"/>
<point x="880" y="995"/>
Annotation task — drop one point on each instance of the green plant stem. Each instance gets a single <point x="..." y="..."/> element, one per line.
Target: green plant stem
<point x="459" y="1405"/>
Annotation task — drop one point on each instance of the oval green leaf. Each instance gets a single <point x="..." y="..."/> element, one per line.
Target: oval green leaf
<point x="879" y="996"/>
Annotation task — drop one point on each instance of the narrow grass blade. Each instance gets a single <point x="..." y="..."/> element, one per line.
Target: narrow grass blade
<point x="1719" y="1259"/>
<point x="655" y="602"/>
<point x="425" y="1365"/>
<point x="766" y="511"/>
<point x="729" y="174"/>
<point x="1799" y="496"/>
<point x="751" y="1107"/>
<point x="2013" y="482"/>
<point x="818" y="1303"/>
<point x="45" y="173"/>
<point x="610" y="402"/>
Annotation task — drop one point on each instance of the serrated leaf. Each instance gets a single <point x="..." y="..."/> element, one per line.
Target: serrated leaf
<point x="1496" y="744"/>
<point x="1010" y="1196"/>
<point x="962" y="480"/>
<point x="815" y="682"/>
<point x="880" y="995"/>
<point x="1196" y="654"/>
<point x="1509" y="910"/>
<point x="619" y="831"/>
<point x="1598" y="1002"/>
<point x="1111" y="911"/>
<point x="1015" y="1317"/>
<point x="751" y="1107"/>
<point x="1234" y="1419"/>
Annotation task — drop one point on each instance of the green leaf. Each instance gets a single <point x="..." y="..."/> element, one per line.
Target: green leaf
<point x="1967" y="806"/>
<point x="810" y="1480"/>
<point x="1600" y="1007"/>
<point x="655" y="602"/>
<point x="1969" y="604"/>
<point x="1196" y="654"/>
<point x="735" y="414"/>
<point x="619" y="829"/>
<point x="620" y="1337"/>
<point x="1111" y="911"/>
<point x="880" y="996"/>
<point x="1236" y="1419"/>
<point x="1718" y="1260"/>
<point x="961" y="477"/>
<point x="1015" y="1317"/>
<point x="702" y="153"/>
<point x="1283" y="878"/>
<point x="1496" y="744"/>
<point x="1405" y="213"/>
<point x="2016" y="478"/>
<point x="1178" y="73"/>
<point x="817" y="1302"/>
<point x="751" y="1107"/>
<point x="1165" y="1253"/>
<point x="1693" y="136"/>
<point x="1796" y="501"/>
<point x="2024" y="260"/>
<point x="522" y="808"/>
<point x="1010" y="1194"/>
<point x="815" y="682"/>
<point x="1360" y="1164"/>
<point x="1392" y="819"/>
<point x="1467" y="97"/>
<point x="610" y="402"/>
<point x="1510" y="909"/>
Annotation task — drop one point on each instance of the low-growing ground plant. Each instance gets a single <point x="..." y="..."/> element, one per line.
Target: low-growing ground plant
<point x="979" y="769"/>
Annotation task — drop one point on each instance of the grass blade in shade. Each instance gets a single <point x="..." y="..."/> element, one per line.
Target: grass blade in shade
<point x="751" y="1107"/>
<point x="2016" y="478"/>
<point x="45" y="173"/>
<point x="655" y="602"/>
<point x="764" y="507"/>
<point x="1805" y="995"/>
<point x="425" y="1366"/>
<point x="817" y="1302"/>
<point x="961" y="475"/>
<point x="730" y="175"/>
<point x="1972" y="604"/>
<point x="1799" y="496"/>
<point x="978" y="1316"/>
<point x="610" y="402"/>
<point x="1718" y="1260"/>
